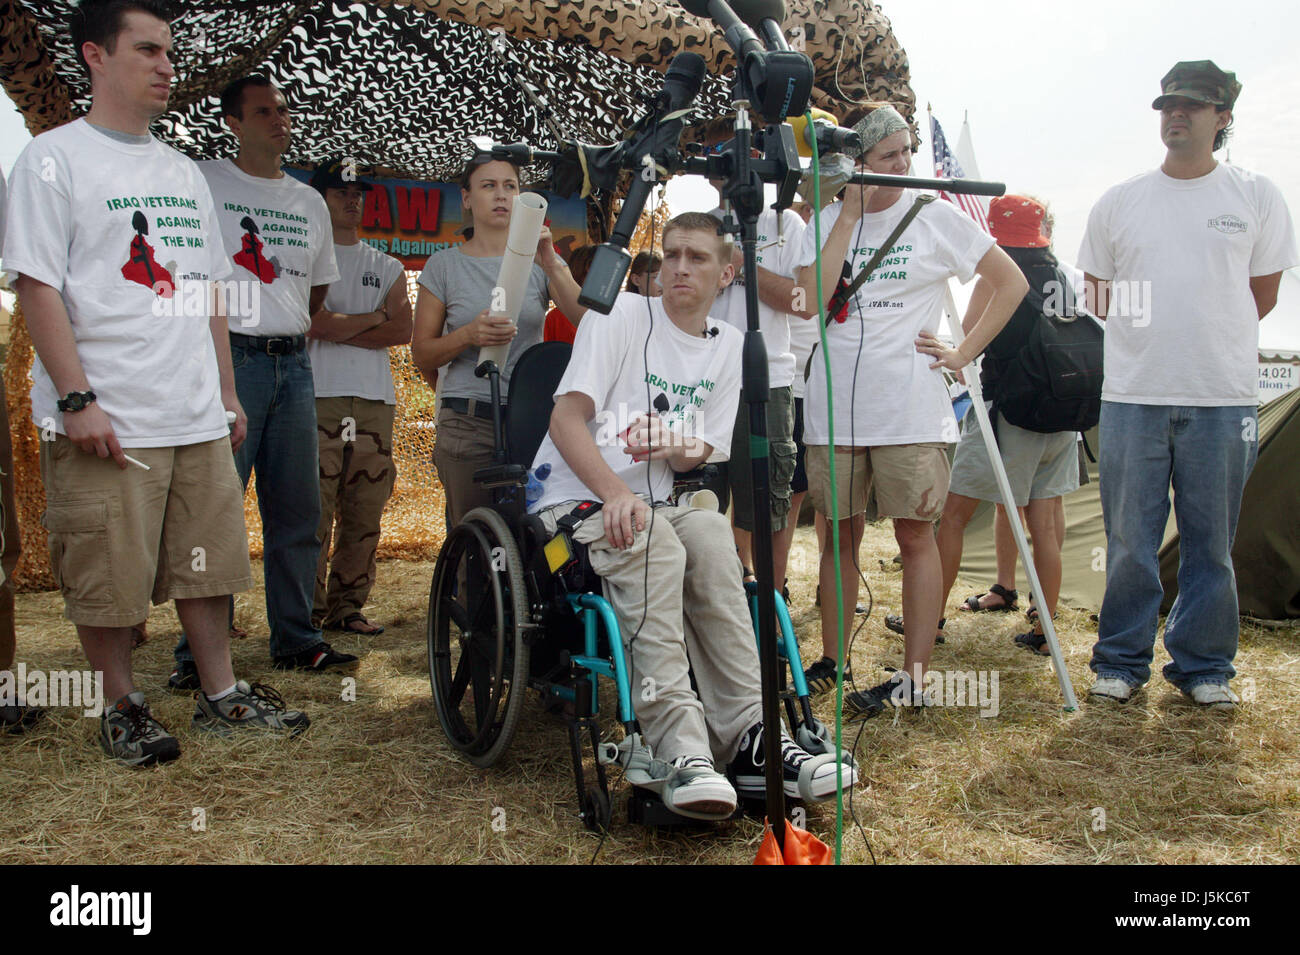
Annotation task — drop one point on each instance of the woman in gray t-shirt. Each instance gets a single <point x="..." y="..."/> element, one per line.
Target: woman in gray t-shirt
<point x="452" y="324"/>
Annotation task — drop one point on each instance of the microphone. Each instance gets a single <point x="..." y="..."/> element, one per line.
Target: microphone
<point x="710" y="332"/>
<point x="521" y="154"/>
<point x="775" y="80"/>
<point x="765" y="16"/>
<point x="657" y="133"/>
<point x="682" y="82"/>
<point x="830" y="137"/>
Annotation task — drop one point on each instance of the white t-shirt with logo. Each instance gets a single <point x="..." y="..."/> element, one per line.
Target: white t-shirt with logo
<point x="340" y="370"/>
<point x="127" y="233"/>
<point x="277" y="236"/>
<point x="1183" y="327"/>
<point x="896" y="397"/>
<point x="698" y="377"/>
<point x="778" y="252"/>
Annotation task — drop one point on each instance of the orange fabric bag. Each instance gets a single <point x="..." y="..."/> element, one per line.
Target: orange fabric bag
<point x="801" y="848"/>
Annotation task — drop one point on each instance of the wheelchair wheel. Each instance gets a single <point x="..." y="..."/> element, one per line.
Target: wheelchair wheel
<point x="596" y="810"/>
<point x="478" y="615"/>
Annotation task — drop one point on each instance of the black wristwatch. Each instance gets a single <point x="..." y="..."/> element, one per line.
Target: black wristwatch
<point x="75" y="401"/>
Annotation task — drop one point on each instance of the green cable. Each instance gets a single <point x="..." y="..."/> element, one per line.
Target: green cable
<point x="835" y="503"/>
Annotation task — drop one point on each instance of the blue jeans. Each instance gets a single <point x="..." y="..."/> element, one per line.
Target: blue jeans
<point x="1207" y="454"/>
<point x="277" y="394"/>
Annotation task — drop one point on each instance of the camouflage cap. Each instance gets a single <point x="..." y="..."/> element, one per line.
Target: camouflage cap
<point x="1200" y="80"/>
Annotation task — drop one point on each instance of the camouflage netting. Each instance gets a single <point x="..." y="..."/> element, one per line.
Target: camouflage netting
<point x="399" y="86"/>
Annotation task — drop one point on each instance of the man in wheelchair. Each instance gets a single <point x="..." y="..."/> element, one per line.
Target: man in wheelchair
<point x="652" y="389"/>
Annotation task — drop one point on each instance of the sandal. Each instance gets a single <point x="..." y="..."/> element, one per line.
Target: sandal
<point x="1032" y="614"/>
<point x="972" y="603"/>
<point x="894" y="622"/>
<point x="346" y="626"/>
<point x="1034" y="643"/>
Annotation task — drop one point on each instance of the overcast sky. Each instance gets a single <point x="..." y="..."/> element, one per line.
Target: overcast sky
<point x="1059" y="97"/>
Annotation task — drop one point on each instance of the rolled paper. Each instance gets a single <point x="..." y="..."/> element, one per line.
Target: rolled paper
<point x="526" y="219"/>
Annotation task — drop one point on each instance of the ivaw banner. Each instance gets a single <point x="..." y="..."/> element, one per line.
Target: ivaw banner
<point x="412" y="220"/>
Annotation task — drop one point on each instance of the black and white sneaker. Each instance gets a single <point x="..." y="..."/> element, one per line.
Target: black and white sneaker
<point x="898" y="691"/>
<point x="807" y="777"/>
<point x="820" y="677"/>
<point x="317" y="659"/>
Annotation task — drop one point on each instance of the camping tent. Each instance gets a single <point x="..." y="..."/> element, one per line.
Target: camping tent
<point x="1267" y="549"/>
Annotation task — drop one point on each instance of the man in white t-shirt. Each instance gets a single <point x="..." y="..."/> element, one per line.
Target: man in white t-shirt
<point x="1182" y="262"/>
<point x="650" y="389"/>
<point x="278" y="241"/>
<point x="779" y="242"/>
<point x="893" y="417"/>
<point x="115" y="242"/>
<point x="366" y="312"/>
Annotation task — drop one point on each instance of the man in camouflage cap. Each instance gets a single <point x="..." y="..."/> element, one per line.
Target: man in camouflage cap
<point x="1200" y="81"/>
<point x="1182" y="262"/>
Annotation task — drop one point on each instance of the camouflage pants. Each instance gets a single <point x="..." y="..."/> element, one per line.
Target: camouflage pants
<point x="356" y="478"/>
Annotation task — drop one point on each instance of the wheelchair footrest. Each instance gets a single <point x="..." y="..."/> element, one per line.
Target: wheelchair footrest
<point x="645" y="808"/>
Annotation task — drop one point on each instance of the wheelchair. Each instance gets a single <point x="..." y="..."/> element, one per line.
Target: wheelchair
<point x="504" y="621"/>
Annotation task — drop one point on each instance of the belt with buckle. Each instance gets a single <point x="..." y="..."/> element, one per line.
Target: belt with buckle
<point x="478" y="407"/>
<point x="285" y="345"/>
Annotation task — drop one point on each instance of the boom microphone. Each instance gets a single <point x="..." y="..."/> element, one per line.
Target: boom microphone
<point x="656" y="135"/>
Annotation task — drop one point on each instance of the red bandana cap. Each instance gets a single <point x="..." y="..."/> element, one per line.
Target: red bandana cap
<point x="1017" y="222"/>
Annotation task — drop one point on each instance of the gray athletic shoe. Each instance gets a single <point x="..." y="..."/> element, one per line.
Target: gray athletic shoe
<point x="255" y="707"/>
<point x="129" y="733"/>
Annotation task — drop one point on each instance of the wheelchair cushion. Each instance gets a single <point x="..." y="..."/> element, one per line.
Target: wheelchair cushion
<point x="532" y="387"/>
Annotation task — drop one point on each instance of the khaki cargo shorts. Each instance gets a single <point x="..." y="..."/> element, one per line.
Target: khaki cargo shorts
<point x="118" y="538"/>
<point x="908" y="481"/>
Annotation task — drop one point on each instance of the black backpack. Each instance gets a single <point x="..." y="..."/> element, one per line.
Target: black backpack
<point x="1054" y="382"/>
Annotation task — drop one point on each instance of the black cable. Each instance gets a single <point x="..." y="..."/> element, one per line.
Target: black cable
<point x="645" y="578"/>
<point x="867" y="842"/>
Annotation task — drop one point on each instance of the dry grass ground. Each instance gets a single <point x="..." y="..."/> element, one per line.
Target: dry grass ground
<point x="374" y="780"/>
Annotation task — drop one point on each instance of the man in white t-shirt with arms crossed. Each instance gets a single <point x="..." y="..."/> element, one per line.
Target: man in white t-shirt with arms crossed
<point x="366" y="312"/>
<point x="1182" y="262"/>
<point x="115" y="241"/>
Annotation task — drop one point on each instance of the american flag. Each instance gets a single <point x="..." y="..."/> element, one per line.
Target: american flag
<point x="946" y="166"/>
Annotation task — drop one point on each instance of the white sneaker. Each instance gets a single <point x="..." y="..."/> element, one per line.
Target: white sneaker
<point x="1215" y="695"/>
<point x="697" y="791"/>
<point x="1112" y="688"/>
